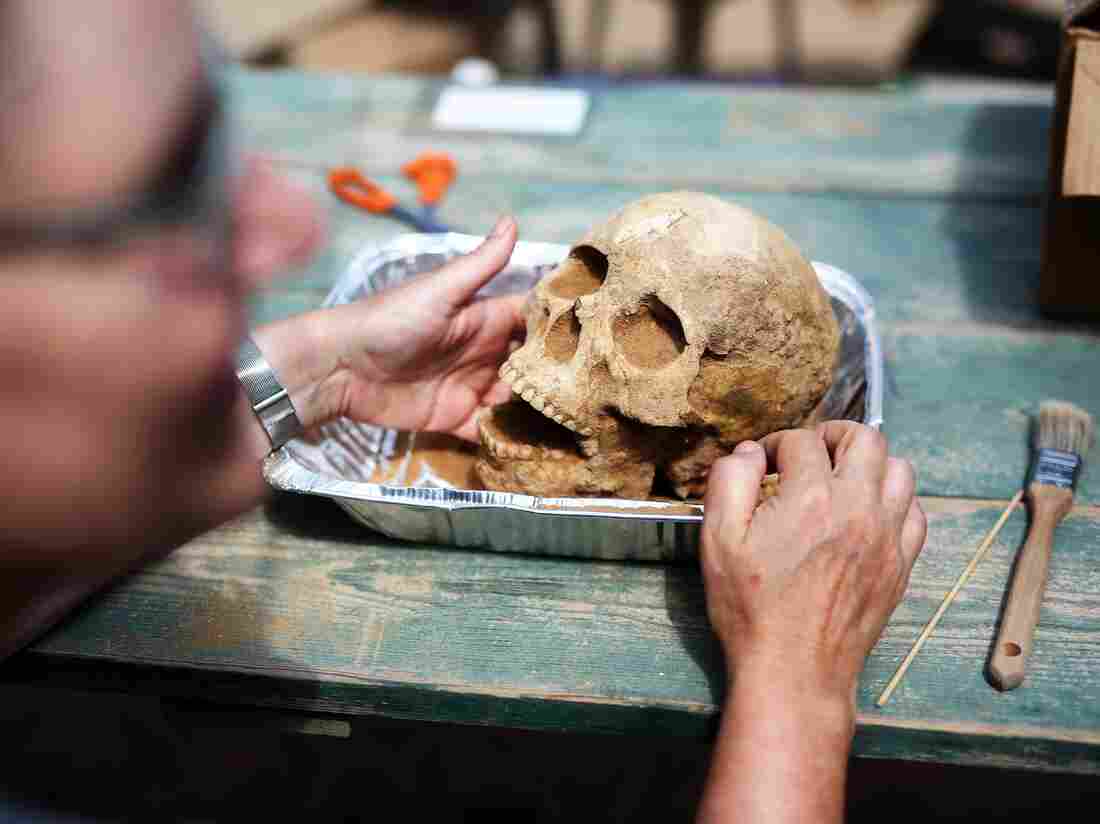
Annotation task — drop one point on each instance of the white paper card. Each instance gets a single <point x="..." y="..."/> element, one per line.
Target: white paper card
<point x="513" y="109"/>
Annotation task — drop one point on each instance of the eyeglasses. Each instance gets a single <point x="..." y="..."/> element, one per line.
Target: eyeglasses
<point x="190" y="189"/>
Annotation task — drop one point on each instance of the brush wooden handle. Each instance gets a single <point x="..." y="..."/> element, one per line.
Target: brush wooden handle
<point x="1008" y="665"/>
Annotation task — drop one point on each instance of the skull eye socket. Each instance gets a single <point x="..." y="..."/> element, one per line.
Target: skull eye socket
<point x="652" y="336"/>
<point x="564" y="337"/>
<point x="582" y="273"/>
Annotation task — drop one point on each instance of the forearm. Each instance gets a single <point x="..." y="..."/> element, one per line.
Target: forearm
<point x="302" y="351"/>
<point x="781" y="756"/>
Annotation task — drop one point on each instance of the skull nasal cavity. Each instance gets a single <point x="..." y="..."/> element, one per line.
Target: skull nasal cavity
<point x="563" y="337"/>
<point x="652" y="337"/>
<point x="582" y="273"/>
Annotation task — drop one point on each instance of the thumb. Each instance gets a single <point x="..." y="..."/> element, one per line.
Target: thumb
<point x="733" y="488"/>
<point x="455" y="284"/>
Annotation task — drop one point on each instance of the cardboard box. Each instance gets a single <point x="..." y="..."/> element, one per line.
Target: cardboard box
<point x="826" y="39"/>
<point x="387" y="41"/>
<point x="864" y="39"/>
<point x="612" y="36"/>
<point x="250" y="27"/>
<point x="1070" y="279"/>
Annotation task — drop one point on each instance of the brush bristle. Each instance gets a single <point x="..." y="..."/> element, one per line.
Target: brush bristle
<point x="1064" y="426"/>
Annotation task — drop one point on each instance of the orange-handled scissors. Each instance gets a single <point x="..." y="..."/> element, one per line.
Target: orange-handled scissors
<point x="433" y="174"/>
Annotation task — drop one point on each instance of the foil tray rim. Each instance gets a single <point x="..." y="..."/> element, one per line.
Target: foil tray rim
<point x="284" y="473"/>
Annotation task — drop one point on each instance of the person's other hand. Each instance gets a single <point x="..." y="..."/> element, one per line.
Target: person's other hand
<point x="421" y="356"/>
<point x="799" y="590"/>
<point x="278" y="225"/>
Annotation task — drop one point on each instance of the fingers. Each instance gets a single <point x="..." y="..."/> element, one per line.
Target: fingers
<point x="898" y="489"/>
<point x="859" y="452"/>
<point x="278" y="225"/>
<point x="913" y="532"/>
<point x="455" y="284"/>
<point x="499" y="392"/>
<point x="468" y="429"/>
<point x="798" y="455"/>
<point x="506" y="315"/>
<point x="733" y="488"/>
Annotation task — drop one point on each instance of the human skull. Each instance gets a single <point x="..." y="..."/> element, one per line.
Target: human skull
<point x="681" y="311"/>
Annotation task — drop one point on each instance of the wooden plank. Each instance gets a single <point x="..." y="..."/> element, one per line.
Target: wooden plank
<point x="963" y="264"/>
<point x="299" y="607"/>
<point x="735" y="138"/>
<point x="961" y="406"/>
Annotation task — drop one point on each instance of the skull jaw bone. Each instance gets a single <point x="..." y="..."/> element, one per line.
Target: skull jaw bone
<point x="523" y="452"/>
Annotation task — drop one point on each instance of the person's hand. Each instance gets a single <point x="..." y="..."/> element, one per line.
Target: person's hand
<point x="799" y="590"/>
<point x="425" y="355"/>
<point x="422" y="356"/>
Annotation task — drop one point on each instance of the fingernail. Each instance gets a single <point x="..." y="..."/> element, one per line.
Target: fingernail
<point x="501" y="229"/>
<point x="747" y="447"/>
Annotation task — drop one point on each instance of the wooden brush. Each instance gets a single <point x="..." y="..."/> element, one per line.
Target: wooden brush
<point x="1062" y="441"/>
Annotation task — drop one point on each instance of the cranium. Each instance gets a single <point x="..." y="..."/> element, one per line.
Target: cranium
<point x="683" y="314"/>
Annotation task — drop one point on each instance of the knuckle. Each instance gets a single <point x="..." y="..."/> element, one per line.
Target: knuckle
<point x="796" y="440"/>
<point x="724" y="467"/>
<point x="863" y="528"/>
<point x="872" y="439"/>
<point x="815" y="501"/>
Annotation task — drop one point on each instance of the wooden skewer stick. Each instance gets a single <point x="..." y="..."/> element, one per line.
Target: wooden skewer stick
<point x="983" y="549"/>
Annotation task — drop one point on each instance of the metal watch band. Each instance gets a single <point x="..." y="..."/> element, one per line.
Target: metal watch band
<point x="270" y="401"/>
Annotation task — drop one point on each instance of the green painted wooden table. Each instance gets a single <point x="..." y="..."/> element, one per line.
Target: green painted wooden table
<point x="931" y="198"/>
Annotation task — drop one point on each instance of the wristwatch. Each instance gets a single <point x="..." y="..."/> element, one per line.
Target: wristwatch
<point x="270" y="400"/>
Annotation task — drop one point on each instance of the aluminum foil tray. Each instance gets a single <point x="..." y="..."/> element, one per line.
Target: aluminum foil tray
<point x="338" y="460"/>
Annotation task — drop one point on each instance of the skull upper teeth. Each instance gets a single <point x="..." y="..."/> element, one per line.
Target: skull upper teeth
<point x="530" y="394"/>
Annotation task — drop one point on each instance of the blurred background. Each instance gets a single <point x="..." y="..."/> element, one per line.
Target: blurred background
<point x="807" y="41"/>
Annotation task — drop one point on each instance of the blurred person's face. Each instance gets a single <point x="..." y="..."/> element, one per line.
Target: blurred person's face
<point x="116" y="363"/>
